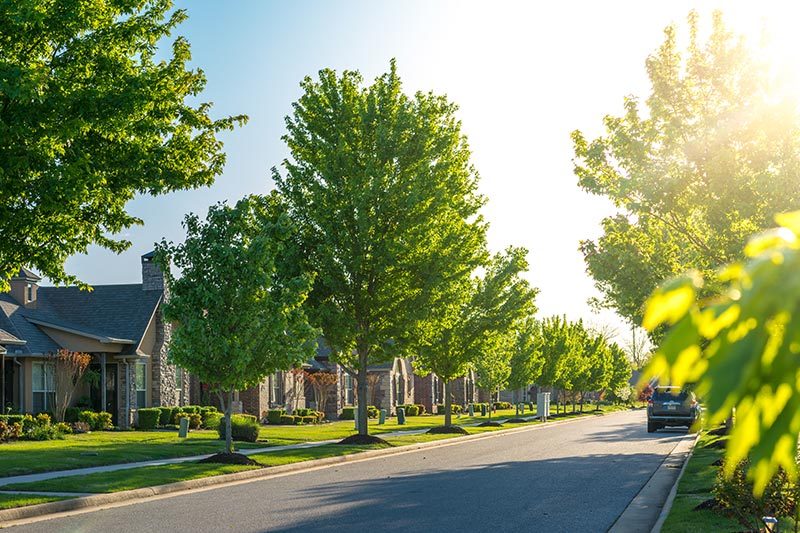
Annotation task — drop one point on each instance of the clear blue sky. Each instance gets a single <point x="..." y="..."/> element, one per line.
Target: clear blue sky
<point x="525" y="74"/>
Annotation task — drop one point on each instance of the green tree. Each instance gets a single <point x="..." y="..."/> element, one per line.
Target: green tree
<point x="740" y="345"/>
<point x="381" y="188"/>
<point x="527" y="359"/>
<point x="238" y="319"/>
<point x="706" y="161"/>
<point x="592" y="363"/>
<point x="460" y="334"/>
<point x="88" y="119"/>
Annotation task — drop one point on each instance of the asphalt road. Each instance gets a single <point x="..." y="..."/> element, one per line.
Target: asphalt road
<point x="574" y="477"/>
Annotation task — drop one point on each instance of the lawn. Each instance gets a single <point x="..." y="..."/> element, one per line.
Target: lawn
<point x="9" y="501"/>
<point x="157" y="475"/>
<point x="114" y="447"/>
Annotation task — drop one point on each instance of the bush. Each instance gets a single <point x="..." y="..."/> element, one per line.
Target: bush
<point x="148" y="418"/>
<point x="286" y="420"/>
<point x="10" y="430"/>
<point x="420" y="408"/>
<point x="243" y="428"/>
<point x="173" y="416"/>
<point x="212" y="420"/>
<point x="274" y="416"/>
<point x="320" y="416"/>
<point x="164" y="415"/>
<point x="735" y="495"/>
<point x="71" y="414"/>
<point x="63" y="428"/>
<point x="348" y="413"/>
<point x="10" y="419"/>
<point x="372" y="411"/>
<point x="80" y="427"/>
<point x="195" y="421"/>
<point x="191" y="409"/>
<point x="89" y="418"/>
<point x="309" y="419"/>
<point x="103" y="420"/>
<point x="502" y="405"/>
<point x="44" y="432"/>
<point x="411" y="409"/>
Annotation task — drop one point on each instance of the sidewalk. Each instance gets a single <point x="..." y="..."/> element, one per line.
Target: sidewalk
<point x="42" y="476"/>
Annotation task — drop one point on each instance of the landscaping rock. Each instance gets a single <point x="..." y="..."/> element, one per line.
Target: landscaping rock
<point x="364" y="439"/>
<point x="230" y="459"/>
<point x="490" y="424"/>
<point x="446" y="430"/>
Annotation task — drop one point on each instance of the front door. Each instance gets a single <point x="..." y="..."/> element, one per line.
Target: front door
<point x="7" y="400"/>
<point x="109" y="383"/>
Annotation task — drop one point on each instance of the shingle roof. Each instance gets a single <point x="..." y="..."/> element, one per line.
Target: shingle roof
<point x="8" y="338"/>
<point x="119" y="312"/>
<point x="27" y="274"/>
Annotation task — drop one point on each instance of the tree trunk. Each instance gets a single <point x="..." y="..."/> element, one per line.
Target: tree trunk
<point x="582" y="396"/>
<point x="448" y="416"/>
<point x="228" y="415"/>
<point x="363" y="420"/>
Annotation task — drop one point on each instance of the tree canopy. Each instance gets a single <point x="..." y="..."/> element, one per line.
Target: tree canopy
<point x="238" y="318"/>
<point x="88" y="119"/>
<point x="703" y="162"/>
<point x="381" y="188"/>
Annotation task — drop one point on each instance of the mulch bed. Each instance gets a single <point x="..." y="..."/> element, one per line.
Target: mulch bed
<point x="490" y="424"/>
<point x="516" y="421"/>
<point x="363" y="439"/>
<point x="446" y="430"/>
<point x="230" y="459"/>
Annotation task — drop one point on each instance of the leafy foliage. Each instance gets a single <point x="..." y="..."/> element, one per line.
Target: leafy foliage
<point x="705" y="162"/>
<point x="88" y="119"/>
<point x="741" y="346"/>
<point x="384" y="196"/>
<point x="238" y="317"/>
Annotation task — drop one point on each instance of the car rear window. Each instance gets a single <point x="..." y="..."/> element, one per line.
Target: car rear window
<point x="666" y="395"/>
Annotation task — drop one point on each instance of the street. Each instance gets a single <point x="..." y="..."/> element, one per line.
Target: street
<point x="574" y="477"/>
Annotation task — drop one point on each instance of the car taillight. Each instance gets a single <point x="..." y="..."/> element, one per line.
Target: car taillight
<point x="649" y="402"/>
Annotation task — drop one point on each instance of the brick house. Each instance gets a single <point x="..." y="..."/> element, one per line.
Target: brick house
<point x="430" y="390"/>
<point x="120" y="326"/>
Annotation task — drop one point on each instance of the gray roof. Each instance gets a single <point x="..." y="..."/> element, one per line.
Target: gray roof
<point x="116" y="313"/>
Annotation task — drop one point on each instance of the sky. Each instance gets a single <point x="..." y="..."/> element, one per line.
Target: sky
<point x="524" y="75"/>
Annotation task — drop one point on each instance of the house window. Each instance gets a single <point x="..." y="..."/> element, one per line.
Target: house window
<point x="44" y="391"/>
<point x="276" y="382"/>
<point x="348" y="389"/>
<point x="30" y="292"/>
<point x="141" y="384"/>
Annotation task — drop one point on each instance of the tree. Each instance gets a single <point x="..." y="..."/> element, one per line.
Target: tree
<point x="620" y="371"/>
<point x="468" y="320"/>
<point x="381" y="188"/>
<point x="527" y="359"/>
<point x="237" y="318"/>
<point x="705" y="162"/>
<point x="740" y="346"/>
<point x="593" y="364"/>
<point x="68" y="369"/>
<point x="322" y="383"/>
<point x="296" y="378"/>
<point x="88" y="119"/>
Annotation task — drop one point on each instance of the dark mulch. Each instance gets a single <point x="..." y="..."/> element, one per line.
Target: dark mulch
<point x="709" y="505"/>
<point x="442" y="430"/>
<point x="516" y="421"/>
<point x="490" y="424"/>
<point x="363" y="439"/>
<point x="230" y="459"/>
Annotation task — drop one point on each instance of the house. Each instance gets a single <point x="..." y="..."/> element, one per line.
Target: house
<point x="430" y="391"/>
<point x="120" y="326"/>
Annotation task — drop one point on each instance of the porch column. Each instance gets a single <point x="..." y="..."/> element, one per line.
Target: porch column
<point x="103" y="399"/>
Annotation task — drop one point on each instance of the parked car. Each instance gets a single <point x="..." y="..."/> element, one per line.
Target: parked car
<point x="671" y="406"/>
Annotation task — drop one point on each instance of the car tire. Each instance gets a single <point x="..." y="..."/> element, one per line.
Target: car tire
<point x="651" y="427"/>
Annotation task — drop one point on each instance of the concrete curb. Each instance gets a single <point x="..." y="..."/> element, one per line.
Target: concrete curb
<point x="662" y="517"/>
<point x="10" y="517"/>
<point x="647" y="507"/>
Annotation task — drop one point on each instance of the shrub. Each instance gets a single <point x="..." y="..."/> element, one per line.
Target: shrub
<point x="286" y="420"/>
<point x="173" y="416"/>
<point x="64" y="428"/>
<point x="103" y="420"/>
<point x="195" y="421"/>
<point x="148" y="418"/>
<point x="164" y="415"/>
<point x="10" y="430"/>
<point x="735" y="495"/>
<point x="89" y="418"/>
<point x="502" y="405"/>
<point x="44" y="432"/>
<point x="320" y="416"/>
<point x="212" y="420"/>
<point x="274" y="416"/>
<point x="191" y="409"/>
<point x="243" y="428"/>
<point x="420" y="408"/>
<point x="348" y="413"/>
<point x="10" y="419"/>
<point x="309" y="419"/>
<point x="80" y="427"/>
<point x="180" y="416"/>
<point x="71" y="414"/>
<point x="456" y="409"/>
<point x="372" y="411"/>
<point x="411" y="409"/>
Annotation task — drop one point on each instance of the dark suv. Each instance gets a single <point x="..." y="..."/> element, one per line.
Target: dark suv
<point x="671" y="406"/>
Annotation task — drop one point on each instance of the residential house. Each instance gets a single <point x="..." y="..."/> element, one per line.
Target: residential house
<point x="430" y="391"/>
<point x="120" y="326"/>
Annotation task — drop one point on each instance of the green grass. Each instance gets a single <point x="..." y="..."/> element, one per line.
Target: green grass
<point x="106" y="448"/>
<point x="9" y="501"/>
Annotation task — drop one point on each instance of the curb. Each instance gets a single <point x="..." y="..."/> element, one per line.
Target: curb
<point x="641" y="511"/>
<point x="662" y="517"/>
<point x="10" y="517"/>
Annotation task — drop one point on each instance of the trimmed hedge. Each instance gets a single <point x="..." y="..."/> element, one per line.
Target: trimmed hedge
<point x="286" y="420"/>
<point x="454" y="409"/>
<point x="502" y="405"/>
<point x="212" y="420"/>
<point x="96" y="421"/>
<point x="243" y="428"/>
<point x="165" y="415"/>
<point x="274" y="416"/>
<point x="410" y="409"/>
<point x="348" y="413"/>
<point x="71" y="414"/>
<point x="148" y="418"/>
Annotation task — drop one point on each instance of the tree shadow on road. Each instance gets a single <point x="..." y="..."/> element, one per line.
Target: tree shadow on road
<point x="585" y="493"/>
<point x="636" y="433"/>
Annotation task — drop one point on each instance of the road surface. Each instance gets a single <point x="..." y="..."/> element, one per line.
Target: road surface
<point x="574" y="477"/>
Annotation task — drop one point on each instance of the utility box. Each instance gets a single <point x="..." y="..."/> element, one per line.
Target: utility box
<point x="183" y="429"/>
<point x="471" y="410"/>
<point x="382" y="417"/>
<point x="401" y="416"/>
<point x="543" y="405"/>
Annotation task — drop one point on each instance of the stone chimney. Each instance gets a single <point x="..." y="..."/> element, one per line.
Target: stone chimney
<point x="24" y="287"/>
<point x="152" y="276"/>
